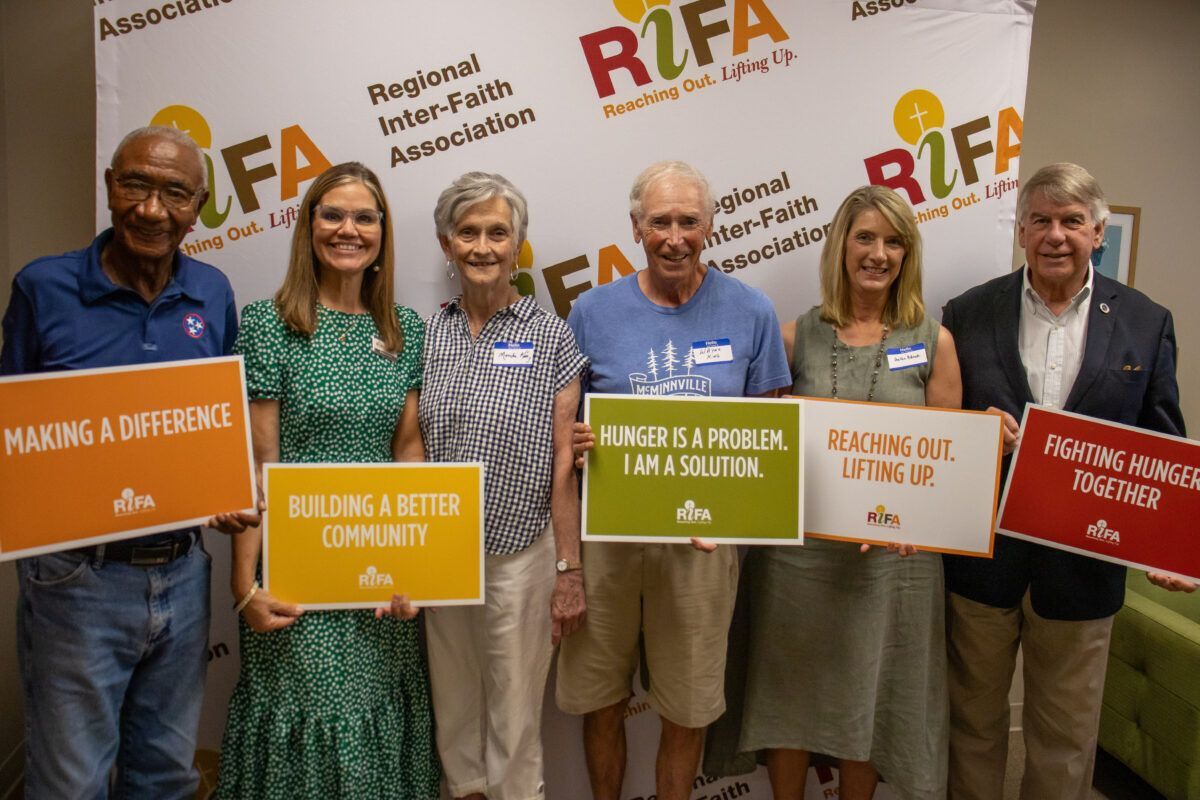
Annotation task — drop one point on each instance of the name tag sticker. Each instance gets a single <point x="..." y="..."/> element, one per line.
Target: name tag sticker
<point x="712" y="351"/>
<point x="512" y="354"/>
<point x="913" y="355"/>
<point x="378" y="348"/>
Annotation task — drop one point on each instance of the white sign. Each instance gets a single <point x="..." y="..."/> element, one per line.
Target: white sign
<point x="885" y="473"/>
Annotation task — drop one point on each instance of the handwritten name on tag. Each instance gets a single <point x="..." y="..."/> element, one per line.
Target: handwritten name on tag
<point x="904" y="357"/>
<point x="712" y="351"/>
<point x="512" y="354"/>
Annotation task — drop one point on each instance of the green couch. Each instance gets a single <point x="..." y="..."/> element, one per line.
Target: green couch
<point x="1151" y="716"/>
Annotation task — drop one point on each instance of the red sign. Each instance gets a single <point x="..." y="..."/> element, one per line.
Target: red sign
<point x="1105" y="490"/>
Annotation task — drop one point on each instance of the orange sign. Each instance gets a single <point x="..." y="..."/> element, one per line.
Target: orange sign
<point x="352" y="535"/>
<point x="95" y="455"/>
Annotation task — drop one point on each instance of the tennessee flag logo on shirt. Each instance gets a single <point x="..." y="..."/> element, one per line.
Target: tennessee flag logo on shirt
<point x="193" y="325"/>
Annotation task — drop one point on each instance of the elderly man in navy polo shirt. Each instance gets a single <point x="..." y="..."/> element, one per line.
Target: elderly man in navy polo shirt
<point x="112" y="639"/>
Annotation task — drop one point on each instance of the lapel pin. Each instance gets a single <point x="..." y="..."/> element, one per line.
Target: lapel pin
<point x="1104" y="308"/>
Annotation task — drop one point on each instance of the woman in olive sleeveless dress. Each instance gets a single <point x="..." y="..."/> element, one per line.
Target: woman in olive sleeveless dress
<point x="846" y="649"/>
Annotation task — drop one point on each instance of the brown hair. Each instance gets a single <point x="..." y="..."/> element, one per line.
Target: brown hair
<point x="296" y="299"/>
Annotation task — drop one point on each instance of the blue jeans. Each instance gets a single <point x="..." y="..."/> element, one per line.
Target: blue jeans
<point x="112" y="660"/>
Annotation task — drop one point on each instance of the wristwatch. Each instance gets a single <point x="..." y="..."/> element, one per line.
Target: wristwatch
<point x="563" y="565"/>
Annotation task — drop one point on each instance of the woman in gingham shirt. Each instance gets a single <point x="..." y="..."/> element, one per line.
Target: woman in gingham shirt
<point x="502" y="378"/>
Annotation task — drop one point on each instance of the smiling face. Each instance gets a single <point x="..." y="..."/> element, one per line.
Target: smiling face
<point x="482" y="244"/>
<point x="672" y="229"/>
<point x="874" y="253"/>
<point x="1058" y="241"/>
<point x="148" y="230"/>
<point x="349" y="247"/>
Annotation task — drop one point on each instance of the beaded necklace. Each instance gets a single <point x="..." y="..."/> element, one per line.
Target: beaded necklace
<point x="878" y="361"/>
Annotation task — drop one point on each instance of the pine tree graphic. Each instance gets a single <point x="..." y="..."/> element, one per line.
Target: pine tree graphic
<point x="689" y="361"/>
<point x="652" y="365"/>
<point x="669" y="359"/>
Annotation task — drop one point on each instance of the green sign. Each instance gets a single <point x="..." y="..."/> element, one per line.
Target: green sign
<point x="722" y="470"/>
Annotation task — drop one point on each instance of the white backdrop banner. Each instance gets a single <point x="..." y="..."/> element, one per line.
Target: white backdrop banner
<point x="786" y="106"/>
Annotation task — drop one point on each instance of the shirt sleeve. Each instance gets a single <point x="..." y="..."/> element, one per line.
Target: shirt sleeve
<point x="1160" y="409"/>
<point x="414" y="347"/>
<point x="21" y="342"/>
<point x="577" y="322"/>
<point x="768" y="366"/>
<point x="231" y="323"/>
<point x="259" y="343"/>
<point x="569" y="362"/>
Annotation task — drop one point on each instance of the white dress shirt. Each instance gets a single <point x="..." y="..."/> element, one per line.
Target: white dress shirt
<point x="1052" y="345"/>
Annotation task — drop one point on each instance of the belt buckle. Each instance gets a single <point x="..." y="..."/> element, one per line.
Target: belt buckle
<point x="152" y="556"/>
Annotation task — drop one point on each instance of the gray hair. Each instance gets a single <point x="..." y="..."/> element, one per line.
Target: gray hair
<point x="1064" y="183"/>
<point x="171" y="135"/>
<point x="476" y="187"/>
<point x="670" y="169"/>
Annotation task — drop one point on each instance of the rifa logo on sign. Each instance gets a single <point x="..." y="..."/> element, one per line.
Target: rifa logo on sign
<point x="372" y="578"/>
<point x="919" y="119"/>
<point x="132" y="503"/>
<point x="1100" y="532"/>
<point x="692" y="514"/>
<point x="882" y="518"/>
<point x="616" y="48"/>
<point x="294" y="145"/>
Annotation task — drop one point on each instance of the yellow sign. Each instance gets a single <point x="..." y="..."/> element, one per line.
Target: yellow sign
<point x="95" y="455"/>
<point x="352" y="535"/>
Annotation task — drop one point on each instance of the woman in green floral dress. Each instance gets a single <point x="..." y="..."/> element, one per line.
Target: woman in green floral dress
<point x="330" y="704"/>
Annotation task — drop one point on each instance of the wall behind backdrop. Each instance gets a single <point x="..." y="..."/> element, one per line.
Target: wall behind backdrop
<point x="1107" y="88"/>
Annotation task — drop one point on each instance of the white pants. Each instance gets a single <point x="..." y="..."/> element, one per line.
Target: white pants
<point x="488" y="666"/>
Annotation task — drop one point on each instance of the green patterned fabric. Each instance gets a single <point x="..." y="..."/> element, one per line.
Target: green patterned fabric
<point x="336" y="705"/>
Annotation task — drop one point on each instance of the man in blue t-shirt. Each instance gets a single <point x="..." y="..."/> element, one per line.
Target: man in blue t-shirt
<point x="674" y="328"/>
<point x="112" y="639"/>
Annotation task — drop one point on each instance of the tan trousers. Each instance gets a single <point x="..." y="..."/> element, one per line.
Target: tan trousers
<point x="1064" y="686"/>
<point x="487" y="667"/>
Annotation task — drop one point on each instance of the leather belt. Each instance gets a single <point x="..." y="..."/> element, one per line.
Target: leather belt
<point x="143" y="555"/>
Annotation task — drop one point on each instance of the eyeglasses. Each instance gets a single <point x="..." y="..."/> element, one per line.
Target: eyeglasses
<point x="137" y="191"/>
<point x="335" y="217"/>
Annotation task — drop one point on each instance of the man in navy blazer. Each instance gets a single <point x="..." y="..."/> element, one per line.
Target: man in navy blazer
<point x="1060" y="334"/>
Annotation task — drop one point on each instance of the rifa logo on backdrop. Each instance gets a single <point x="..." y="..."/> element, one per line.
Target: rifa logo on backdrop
<point x="617" y="49"/>
<point x="935" y="168"/>
<point x="294" y="145"/>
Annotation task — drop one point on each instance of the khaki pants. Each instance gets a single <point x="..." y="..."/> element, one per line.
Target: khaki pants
<point x="1064" y="670"/>
<point x="487" y="667"/>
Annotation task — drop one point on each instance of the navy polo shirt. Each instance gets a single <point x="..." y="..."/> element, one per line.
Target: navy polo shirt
<point x="66" y="314"/>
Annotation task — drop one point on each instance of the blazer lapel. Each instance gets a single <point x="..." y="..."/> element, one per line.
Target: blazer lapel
<point x="1007" y="310"/>
<point x="1102" y="319"/>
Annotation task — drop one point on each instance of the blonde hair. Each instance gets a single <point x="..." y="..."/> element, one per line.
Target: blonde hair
<point x="296" y="299"/>
<point x="904" y="307"/>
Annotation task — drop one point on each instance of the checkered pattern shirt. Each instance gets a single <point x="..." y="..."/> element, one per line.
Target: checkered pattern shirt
<point x="474" y="410"/>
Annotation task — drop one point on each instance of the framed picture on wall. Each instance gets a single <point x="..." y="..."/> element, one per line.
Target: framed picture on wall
<point x="1117" y="255"/>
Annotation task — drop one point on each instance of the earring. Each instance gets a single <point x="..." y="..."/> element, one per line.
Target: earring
<point x="449" y="269"/>
<point x="375" y="268"/>
<point x="512" y="277"/>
